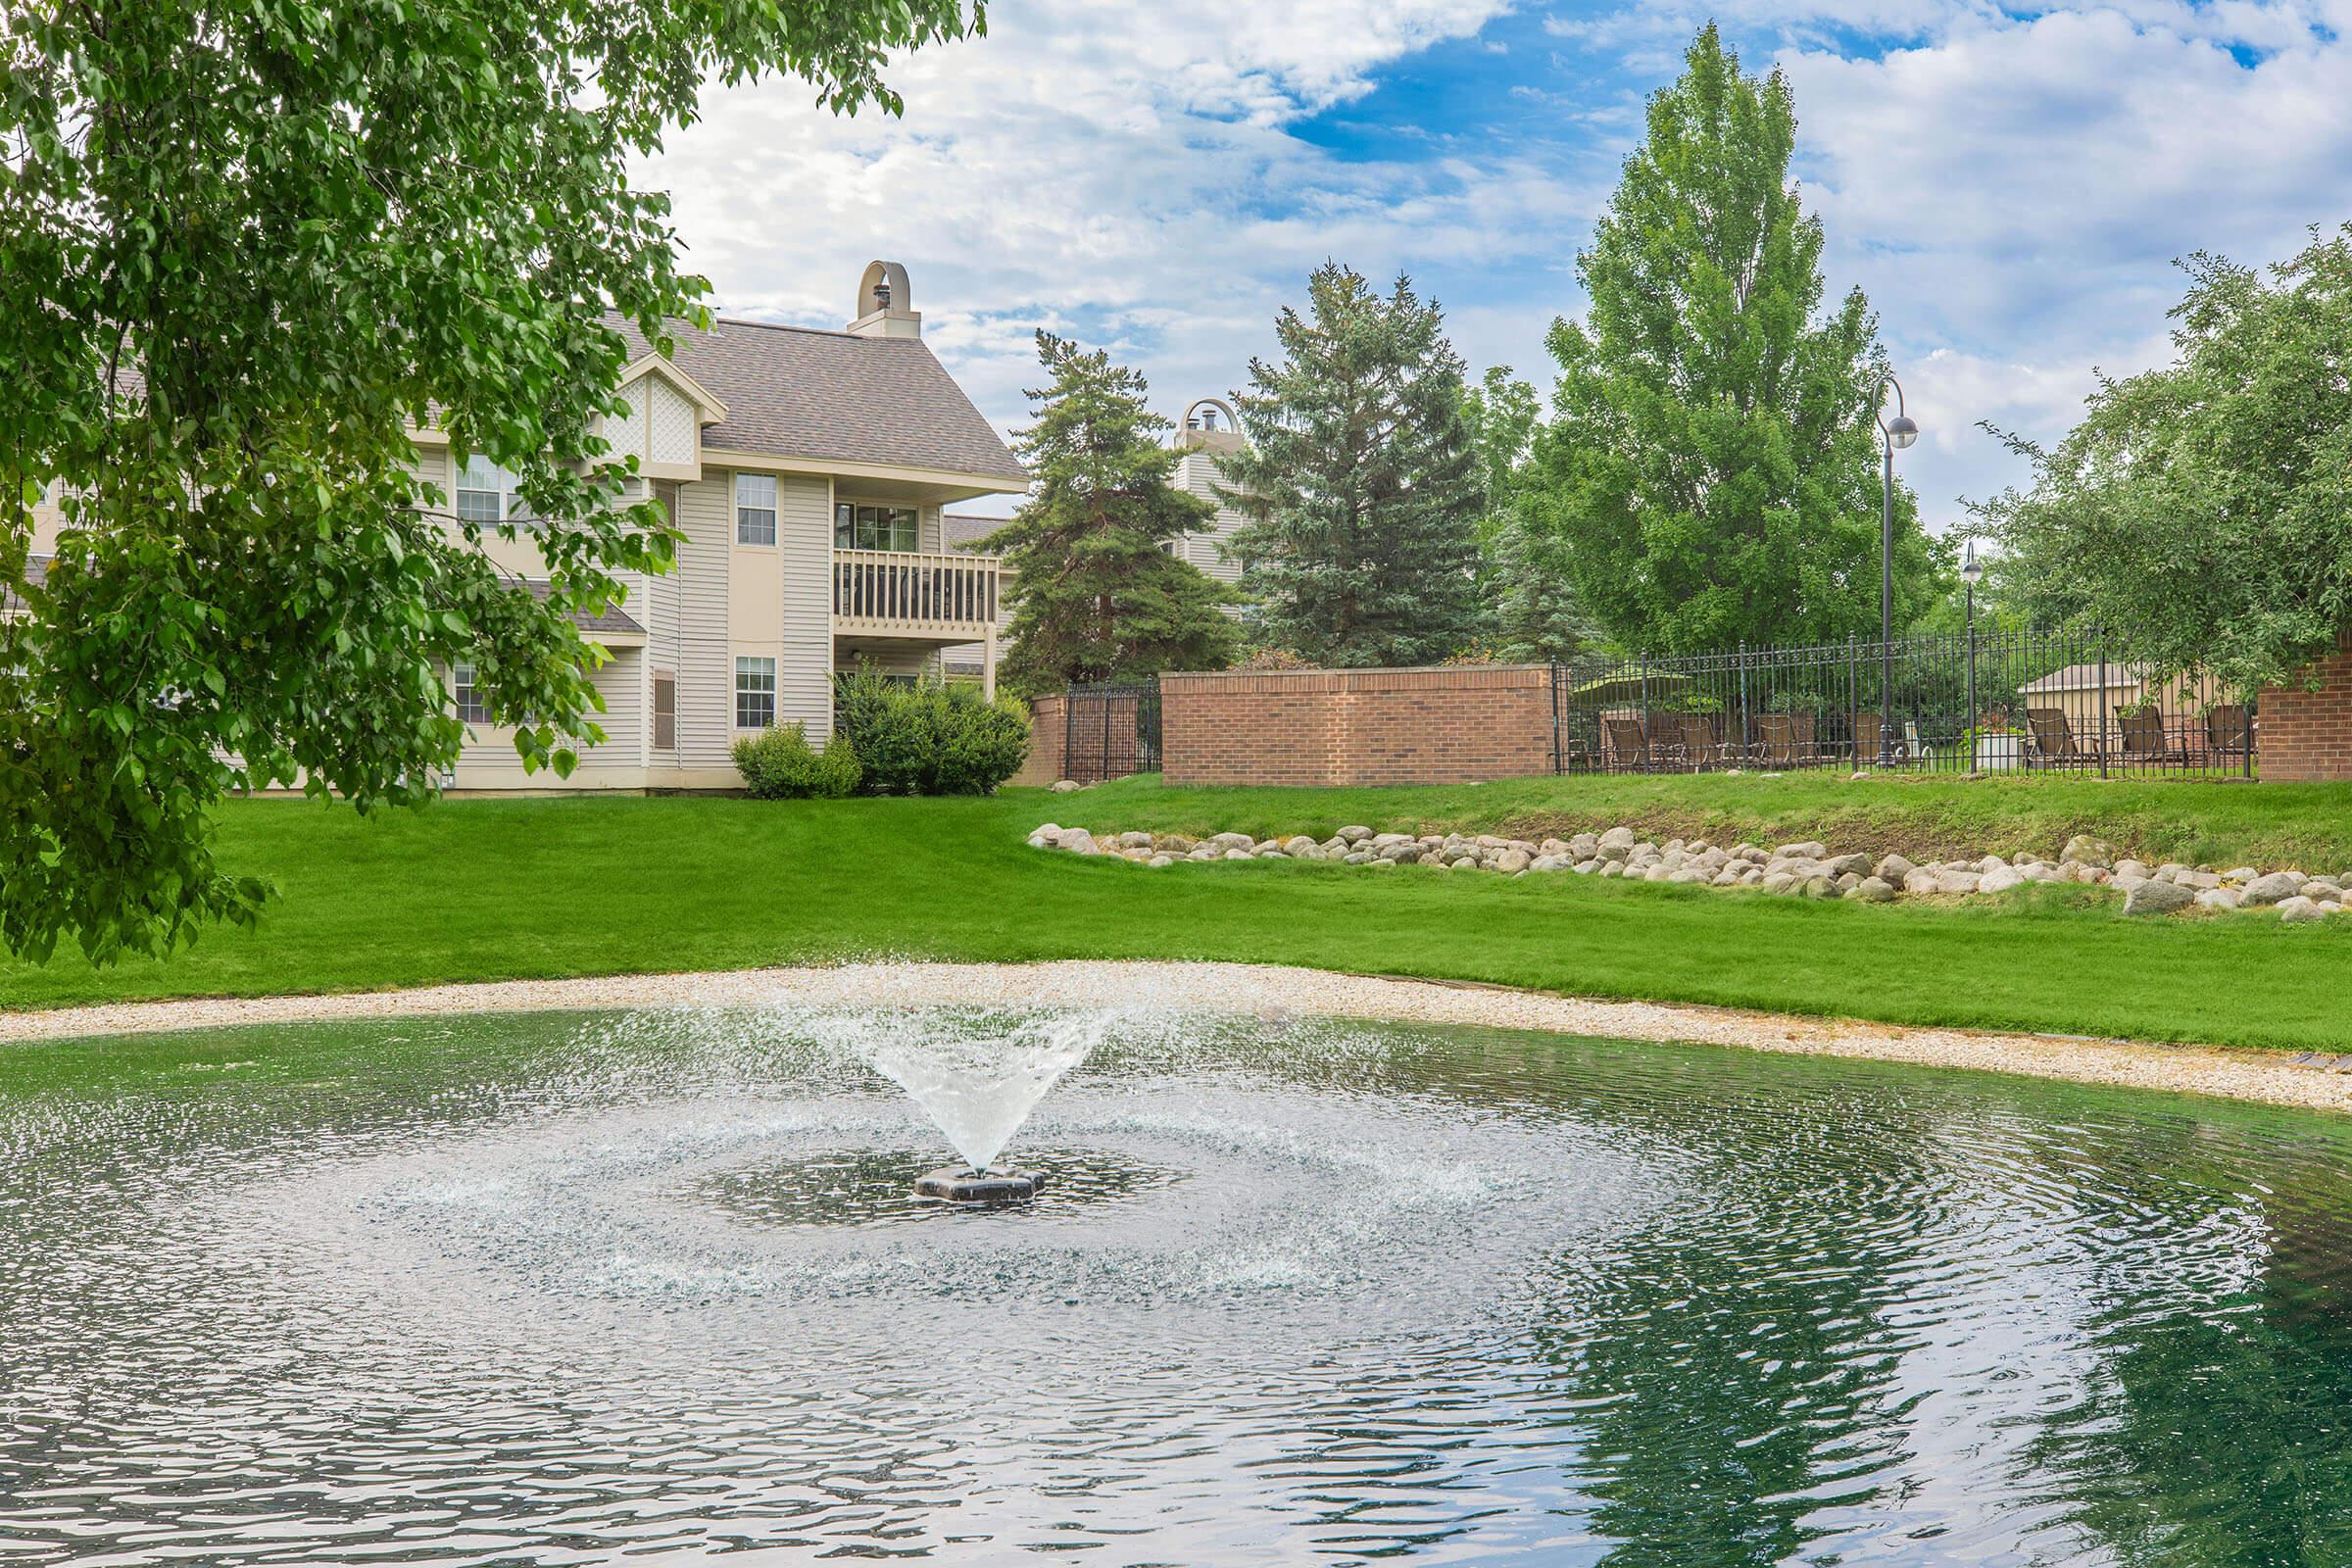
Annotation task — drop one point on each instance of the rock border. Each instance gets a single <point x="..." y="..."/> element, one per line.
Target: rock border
<point x="1807" y="869"/>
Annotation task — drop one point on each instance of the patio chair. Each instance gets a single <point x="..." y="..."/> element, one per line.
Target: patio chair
<point x="2227" y="729"/>
<point x="1800" y="737"/>
<point x="2053" y="736"/>
<point x="1703" y="741"/>
<point x="1628" y="746"/>
<point x="2145" y="739"/>
<point x="1869" y="730"/>
<point x="1780" y="740"/>
<point x="1915" y="747"/>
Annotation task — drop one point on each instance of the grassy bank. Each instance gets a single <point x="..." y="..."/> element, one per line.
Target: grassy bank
<point x="480" y="890"/>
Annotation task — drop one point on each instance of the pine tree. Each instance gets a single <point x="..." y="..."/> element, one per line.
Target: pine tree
<point x="1096" y="595"/>
<point x="1712" y="473"/>
<point x="1361" y="482"/>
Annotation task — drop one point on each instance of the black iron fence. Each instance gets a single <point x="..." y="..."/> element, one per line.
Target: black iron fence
<point x="1110" y="731"/>
<point x="1995" y="701"/>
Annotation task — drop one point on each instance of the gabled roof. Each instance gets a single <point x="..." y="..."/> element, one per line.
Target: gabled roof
<point x="960" y="532"/>
<point x="795" y="392"/>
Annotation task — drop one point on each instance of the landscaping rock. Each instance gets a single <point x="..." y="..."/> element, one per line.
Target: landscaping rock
<point x="1510" y="862"/>
<point x="1077" y="839"/>
<point x="1840" y="864"/>
<point x="2240" y="873"/>
<point x="1299" y="847"/>
<point x="2135" y="869"/>
<point x="1552" y="863"/>
<point x="1809" y="850"/>
<point x="2000" y="879"/>
<point x="1874" y="890"/>
<point x="1067" y="786"/>
<point x="2157" y="898"/>
<point x="2085" y="850"/>
<point x="1616" y="837"/>
<point x="1352" y="835"/>
<point x="2221" y="899"/>
<point x="1892" y="869"/>
<point x="1952" y="884"/>
<point x="2299" y="909"/>
<point x="2276" y="888"/>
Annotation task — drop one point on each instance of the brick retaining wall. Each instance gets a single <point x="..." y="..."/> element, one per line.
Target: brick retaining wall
<point x="1321" y="727"/>
<point x="1047" y="733"/>
<point x="2303" y="735"/>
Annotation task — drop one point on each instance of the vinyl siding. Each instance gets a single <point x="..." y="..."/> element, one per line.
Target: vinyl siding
<point x="1197" y="471"/>
<point x="705" y="665"/>
<point x="805" y="546"/>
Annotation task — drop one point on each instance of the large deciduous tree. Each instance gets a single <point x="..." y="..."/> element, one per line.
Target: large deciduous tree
<point x="2202" y="510"/>
<point x="1522" y="577"/>
<point x="1712" y="466"/>
<point x="1096" y="594"/>
<point x="1361" y="481"/>
<point x="245" y="248"/>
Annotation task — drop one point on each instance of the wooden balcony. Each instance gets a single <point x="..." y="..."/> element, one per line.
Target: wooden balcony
<point x="893" y="594"/>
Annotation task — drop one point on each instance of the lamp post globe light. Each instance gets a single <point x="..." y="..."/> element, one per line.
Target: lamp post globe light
<point x="1899" y="431"/>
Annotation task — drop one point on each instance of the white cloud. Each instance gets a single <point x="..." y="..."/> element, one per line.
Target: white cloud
<point x="1083" y="170"/>
<point x="2009" y="190"/>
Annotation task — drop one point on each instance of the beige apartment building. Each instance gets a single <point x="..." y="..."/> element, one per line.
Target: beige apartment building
<point x="808" y="471"/>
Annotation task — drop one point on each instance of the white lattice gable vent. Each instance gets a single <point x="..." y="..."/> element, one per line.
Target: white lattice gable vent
<point x="661" y="422"/>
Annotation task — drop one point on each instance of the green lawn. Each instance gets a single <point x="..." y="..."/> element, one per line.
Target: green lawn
<point x="495" y="890"/>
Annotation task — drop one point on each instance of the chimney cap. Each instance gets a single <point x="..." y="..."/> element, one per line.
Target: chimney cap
<point x="886" y="303"/>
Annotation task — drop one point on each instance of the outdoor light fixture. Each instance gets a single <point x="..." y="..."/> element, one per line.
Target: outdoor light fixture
<point x="1972" y="570"/>
<point x="1898" y="431"/>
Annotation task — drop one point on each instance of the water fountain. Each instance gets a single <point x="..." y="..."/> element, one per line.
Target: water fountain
<point x="978" y="1074"/>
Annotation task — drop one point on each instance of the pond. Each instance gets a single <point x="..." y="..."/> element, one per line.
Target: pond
<point x="562" y="1288"/>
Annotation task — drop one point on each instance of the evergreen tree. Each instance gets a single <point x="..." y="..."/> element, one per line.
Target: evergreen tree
<point x="1523" y="579"/>
<point x="1096" y="595"/>
<point x="1361" y="481"/>
<point x="1712" y="471"/>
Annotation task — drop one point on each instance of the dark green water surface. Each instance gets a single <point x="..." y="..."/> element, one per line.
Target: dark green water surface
<point x="650" y="1288"/>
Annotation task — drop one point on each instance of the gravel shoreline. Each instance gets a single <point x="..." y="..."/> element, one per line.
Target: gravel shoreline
<point x="1267" y="990"/>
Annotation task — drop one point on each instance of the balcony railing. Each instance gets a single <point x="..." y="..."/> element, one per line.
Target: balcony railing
<point x="919" y="594"/>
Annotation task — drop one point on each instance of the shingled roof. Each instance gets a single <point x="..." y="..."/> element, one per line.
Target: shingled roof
<point x="797" y="392"/>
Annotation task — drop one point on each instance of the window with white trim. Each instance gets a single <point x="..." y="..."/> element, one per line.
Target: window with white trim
<point x="754" y="693"/>
<point x="755" y="508"/>
<point x="471" y="707"/>
<point x="866" y="527"/>
<point x="485" y="492"/>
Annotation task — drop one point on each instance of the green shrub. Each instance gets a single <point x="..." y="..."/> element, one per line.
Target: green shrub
<point x="779" y="764"/>
<point x="925" y="737"/>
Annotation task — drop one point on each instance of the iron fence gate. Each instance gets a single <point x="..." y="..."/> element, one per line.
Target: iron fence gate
<point x="1110" y="731"/>
<point x="1992" y="702"/>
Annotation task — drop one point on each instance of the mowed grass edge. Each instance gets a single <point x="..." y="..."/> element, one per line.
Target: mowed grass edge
<point x="471" y="891"/>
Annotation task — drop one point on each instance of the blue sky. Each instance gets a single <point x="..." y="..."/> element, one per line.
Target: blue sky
<point x="2009" y="187"/>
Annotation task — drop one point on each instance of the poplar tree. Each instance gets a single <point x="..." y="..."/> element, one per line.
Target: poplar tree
<point x="1712" y="470"/>
<point x="1361" y="482"/>
<point x="1096" y="594"/>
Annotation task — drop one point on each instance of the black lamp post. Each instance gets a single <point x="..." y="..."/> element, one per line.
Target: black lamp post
<point x="1898" y="431"/>
<point x="1972" y="571"/>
